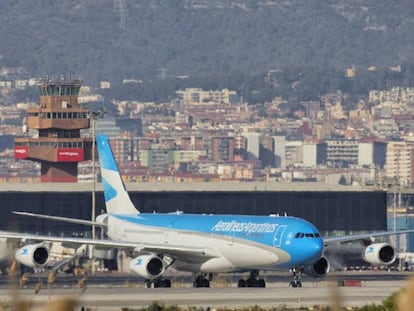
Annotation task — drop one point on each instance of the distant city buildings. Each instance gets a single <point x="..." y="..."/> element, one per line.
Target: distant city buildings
<point x="212" y="135"/>
<point x="197" y="96"/>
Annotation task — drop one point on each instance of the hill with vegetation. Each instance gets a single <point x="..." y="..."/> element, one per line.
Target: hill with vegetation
<point x="202" y="40"/>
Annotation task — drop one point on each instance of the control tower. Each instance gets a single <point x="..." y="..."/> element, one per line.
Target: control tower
<point x="58" y="119"/>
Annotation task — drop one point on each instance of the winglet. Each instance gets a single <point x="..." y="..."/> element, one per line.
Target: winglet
<point x="117" y="199"/>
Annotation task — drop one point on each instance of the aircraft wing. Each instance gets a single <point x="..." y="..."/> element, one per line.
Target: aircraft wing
<point x="64" y="219"/>
<point x="359" y="237"/>
<point x="195" y="254"/>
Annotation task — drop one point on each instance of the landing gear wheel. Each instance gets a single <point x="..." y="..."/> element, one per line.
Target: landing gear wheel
<point x="147" y="283"/>
<point x="242" y="283"/>
<point x="157" y="283"/>
<point x="252" y="281"/>
<point x="167" y="283"/>
<point x="201" y="281"/>
<point x="295" y="284"/>
<point x="297" y="278"/>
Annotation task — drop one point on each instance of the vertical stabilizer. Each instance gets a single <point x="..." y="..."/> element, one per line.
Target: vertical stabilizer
<point x="117" y="199"/>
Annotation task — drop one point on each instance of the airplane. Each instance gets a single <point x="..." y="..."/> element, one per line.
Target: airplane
<point x="203" y="244"/>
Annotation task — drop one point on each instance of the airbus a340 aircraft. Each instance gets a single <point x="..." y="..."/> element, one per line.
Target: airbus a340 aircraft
<point x="202" y="244"/>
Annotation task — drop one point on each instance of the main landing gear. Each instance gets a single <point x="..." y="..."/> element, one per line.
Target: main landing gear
<point x="252" y="281"/>
<point x="201" y="280"/>
<point x="156" y="283"/>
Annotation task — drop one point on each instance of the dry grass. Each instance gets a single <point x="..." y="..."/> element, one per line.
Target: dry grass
<point x="402" y="301"/>
<point x="17" y="303"/>
<point x="405" y="298"/>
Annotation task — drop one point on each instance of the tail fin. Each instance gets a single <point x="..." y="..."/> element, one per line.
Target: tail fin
<point x="117" y="199"/>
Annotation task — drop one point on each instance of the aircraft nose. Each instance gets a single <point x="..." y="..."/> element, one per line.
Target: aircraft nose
<point x="314" y="249"/>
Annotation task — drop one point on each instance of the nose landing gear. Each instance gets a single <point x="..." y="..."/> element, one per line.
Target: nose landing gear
<point x="297" y="278"/>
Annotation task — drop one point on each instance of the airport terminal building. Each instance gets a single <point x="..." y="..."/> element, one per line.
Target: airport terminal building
<point x="329" y="208"/>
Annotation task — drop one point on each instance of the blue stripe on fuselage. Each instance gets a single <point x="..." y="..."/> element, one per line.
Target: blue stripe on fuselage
<point x="260" y="229"/>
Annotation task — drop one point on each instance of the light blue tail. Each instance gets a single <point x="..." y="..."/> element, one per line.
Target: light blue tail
<point x="117" y="199"/>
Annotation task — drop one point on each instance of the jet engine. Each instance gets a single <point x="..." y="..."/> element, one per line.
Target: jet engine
<point x="33" y="255"/>
<point x="148" y="266"/>
<point x="319" y="269"/>
<point x="379" y="254"/>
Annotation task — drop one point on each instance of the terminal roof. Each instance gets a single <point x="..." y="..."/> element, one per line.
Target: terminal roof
<point x="177" y="187"/>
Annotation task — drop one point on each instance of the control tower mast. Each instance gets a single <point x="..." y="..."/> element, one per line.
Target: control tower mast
<point x="58" y="146"/>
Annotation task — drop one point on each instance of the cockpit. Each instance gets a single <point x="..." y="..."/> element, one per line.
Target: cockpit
<point x="301" y="235"/>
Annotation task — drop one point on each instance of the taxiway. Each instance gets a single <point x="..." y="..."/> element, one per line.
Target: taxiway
<point x="104" y="297"/>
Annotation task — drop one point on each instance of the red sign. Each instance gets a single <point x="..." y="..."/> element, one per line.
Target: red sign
<point x="70" y="155"/>
<point x="21" y="152"/>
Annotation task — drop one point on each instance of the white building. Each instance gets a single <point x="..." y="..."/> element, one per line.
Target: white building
<point x="252" y="145"/>
<point x="191" y="96"/>
<point x="294" y="153"/>
<point x="398" y="162"/>
<point x="342" y="152"/>
<point x="280" y="151"/>
<point x="371" y="154"/>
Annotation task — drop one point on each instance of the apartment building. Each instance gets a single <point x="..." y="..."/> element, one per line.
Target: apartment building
<point x="280" y="151"/>
<point x="341" y="153"/>
<point x="122" y="148"/>
<point x="399" y="163"/>
<point x="395" y="94"/>
<point x="197" y="96"/>
<point x="188" y="156"/>
<point x="252" y="145"/>
<point x="191" y="142"/>
<point x="314" y="154"/>
<point x="108" y="127"/>
<point x="294" y="153"/>
<point x="159" y="160"/>
<point x="267" y="154"/>
<point x="372" y="154"/>
<point x="222" y="148"/>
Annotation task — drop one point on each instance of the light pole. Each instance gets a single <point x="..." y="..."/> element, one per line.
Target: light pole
<point x="93" y="116"/>
<point x="93" y="176"/>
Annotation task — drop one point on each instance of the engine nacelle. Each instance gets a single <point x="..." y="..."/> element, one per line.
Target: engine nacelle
<point x="319" y="269"/>
<point x="379" y="254"/>
<point x="33" y="255"/>
<point x="148" y="266"/>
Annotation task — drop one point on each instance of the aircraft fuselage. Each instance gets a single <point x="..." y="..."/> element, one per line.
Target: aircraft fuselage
<point x="232" y="242"/>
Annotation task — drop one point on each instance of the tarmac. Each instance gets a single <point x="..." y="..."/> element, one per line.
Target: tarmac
<point x="104" y="297"/>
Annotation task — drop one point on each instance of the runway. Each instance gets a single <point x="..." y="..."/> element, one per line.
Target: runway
<point x="115" y="299"/>
<point x="106" y="297"/>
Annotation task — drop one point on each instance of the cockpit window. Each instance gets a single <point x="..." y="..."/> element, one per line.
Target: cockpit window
<point x="301" y="235"/>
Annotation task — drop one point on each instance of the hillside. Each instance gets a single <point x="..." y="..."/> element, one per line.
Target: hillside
<point x="142" y="39"/>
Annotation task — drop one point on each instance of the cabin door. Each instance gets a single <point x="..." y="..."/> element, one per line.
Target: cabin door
<point x="277" y="238"/>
